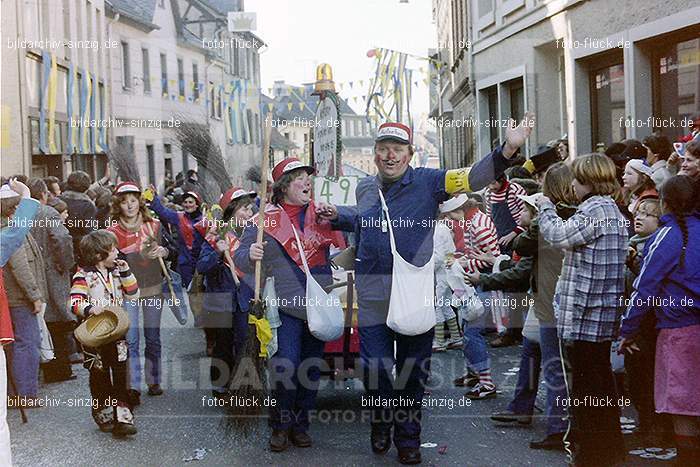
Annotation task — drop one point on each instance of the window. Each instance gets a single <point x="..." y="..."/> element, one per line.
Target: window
<point x="219" y="102"/>
<point x="185" y="162"/>
<point x="195" y="79"/>
<point x="517" y="99"/>
<point x="212" y="101"/>
<point x="151" y="164"/>
<point x="168" y="161"/>
<point x="126" y="68"/>
<point x="492" y="96"/>
<point x="164" y="74"/>
<point x="484" y="14"/>
<point x="676" y="84"/>
<point x="608" y="101"/>
<point x="146" y="71"/>
<point x="180" y="77"/>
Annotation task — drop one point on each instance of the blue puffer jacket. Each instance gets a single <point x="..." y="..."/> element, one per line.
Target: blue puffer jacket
<point x="663" y="285"/>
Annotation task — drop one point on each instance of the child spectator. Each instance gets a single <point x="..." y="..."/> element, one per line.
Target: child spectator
<point x="588" y="301"/>
<point x="639" y="366"/>
<point x="104" y="281"/>
<point x="670" y="276"/>
<point x="658" y="148"/>
<point x="444" y="249"/>
<point x="505" y="208"/>
<point x="638" y="183"/>
<point x="480" y="240"/>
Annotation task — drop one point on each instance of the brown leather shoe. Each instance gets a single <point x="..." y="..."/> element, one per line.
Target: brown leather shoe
<point x="279" y="440"/>
<point x="300" y="440"/>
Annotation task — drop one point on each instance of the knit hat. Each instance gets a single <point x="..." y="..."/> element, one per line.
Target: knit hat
<point x="640" y="166"/>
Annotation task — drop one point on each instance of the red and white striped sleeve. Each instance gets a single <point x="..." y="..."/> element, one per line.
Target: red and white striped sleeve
<point x="516" y="205"/>
<point x="485" y="240"/>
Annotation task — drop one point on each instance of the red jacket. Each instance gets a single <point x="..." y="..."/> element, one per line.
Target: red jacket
<point x="6" y="334"/>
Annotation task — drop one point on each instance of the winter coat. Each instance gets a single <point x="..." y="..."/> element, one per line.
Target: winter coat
<point x="515" y="278"/>
<point x="546" y="266"/>
<point x="82" y="217"/>
<point x="25" y="277"/>
<point x="56" y="247"/>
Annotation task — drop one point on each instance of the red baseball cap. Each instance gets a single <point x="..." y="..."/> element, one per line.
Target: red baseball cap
<point x="192" y="194"/>
<point x="127" y="187"/>
<point x="233" y="194"/>
<point x="289" y="164"/>
<point x="395" y="132"/>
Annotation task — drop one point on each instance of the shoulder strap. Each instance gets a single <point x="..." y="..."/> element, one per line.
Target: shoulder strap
<point x="388" y="220"/>
<point x="301" y="252"/>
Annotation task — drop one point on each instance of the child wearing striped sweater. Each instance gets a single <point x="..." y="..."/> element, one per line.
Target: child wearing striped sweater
<point x="105" y="281"/>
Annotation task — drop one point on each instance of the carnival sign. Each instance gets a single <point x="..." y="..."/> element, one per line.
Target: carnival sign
<point x="326" y="138"/>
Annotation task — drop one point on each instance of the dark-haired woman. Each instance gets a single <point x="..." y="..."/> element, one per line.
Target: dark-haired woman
<point x="228" y="289"/>
<point x="669" y="283"/>
<point x="298" y="350"/>
<point x="188" y="244"/>
<point x="139" y="238"/>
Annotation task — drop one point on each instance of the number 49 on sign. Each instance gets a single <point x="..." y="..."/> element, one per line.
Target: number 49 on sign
<point x="340" y="192"/>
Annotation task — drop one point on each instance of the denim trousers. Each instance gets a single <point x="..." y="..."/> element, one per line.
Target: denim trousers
<point x="475" y="350"/>
<point x="377" y="359"/>
<point x="151" y="307"/>
<point x="295" y="370"/>
<point x="24" y="352"/>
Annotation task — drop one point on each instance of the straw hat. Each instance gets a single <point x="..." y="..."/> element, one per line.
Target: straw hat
<point x="107" y="327"/>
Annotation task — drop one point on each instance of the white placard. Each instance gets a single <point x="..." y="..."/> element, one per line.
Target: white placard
<point x="325" y="138"/>
<point x="340" y="192"/>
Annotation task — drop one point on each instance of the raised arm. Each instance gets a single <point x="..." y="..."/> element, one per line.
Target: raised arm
<point x="165" y="214"/>
<point x="11" y="238"/>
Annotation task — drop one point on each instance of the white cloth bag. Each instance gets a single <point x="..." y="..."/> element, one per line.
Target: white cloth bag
<point x="46" y="348"/>
<point x="412" y="300"/>
<point x="324" y="312"/>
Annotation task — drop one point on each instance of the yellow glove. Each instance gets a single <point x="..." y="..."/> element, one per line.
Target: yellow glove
<point x="263" y="332"/>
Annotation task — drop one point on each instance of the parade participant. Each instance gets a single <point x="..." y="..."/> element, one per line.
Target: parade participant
<point x="52" y="183"/>
<point x="103" y="281"/>
<point x="228" y="290"/>
<point x="188" y="244"/>
<point x="670" y="276"/>
<point x="138" y="238"/>
<point x="638" y="183"/>
<point x="56" y="246"/>
<point x="15" y="204"/>
<point x="292" y="210"/>
<point x="412" y="197"/>
<point x="588" y="298"/>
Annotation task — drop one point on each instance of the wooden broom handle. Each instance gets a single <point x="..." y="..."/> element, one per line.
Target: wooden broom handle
<point x="264" y="166"/>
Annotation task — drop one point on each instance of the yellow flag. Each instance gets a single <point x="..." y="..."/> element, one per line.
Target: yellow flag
<point x="289" y="106"/>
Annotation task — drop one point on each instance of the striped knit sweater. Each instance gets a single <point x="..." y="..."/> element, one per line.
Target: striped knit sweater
<point x="90" y="288"/>
<point x="479" y="237"/>
<point x="508" y="193"/>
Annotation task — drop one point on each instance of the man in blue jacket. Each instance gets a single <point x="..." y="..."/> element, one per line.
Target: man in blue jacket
<point x="412" y="197"/>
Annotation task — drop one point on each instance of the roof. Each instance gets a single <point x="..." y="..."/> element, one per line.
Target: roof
<point x="362" y="142"/>
<point x="297" y="95"/>
<point x="277" y="141"/>
<point x="139" y="11"/>
<point x="224" y="6"/>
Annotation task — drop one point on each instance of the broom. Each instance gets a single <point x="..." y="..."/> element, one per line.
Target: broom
<point x="249" y="382"/>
